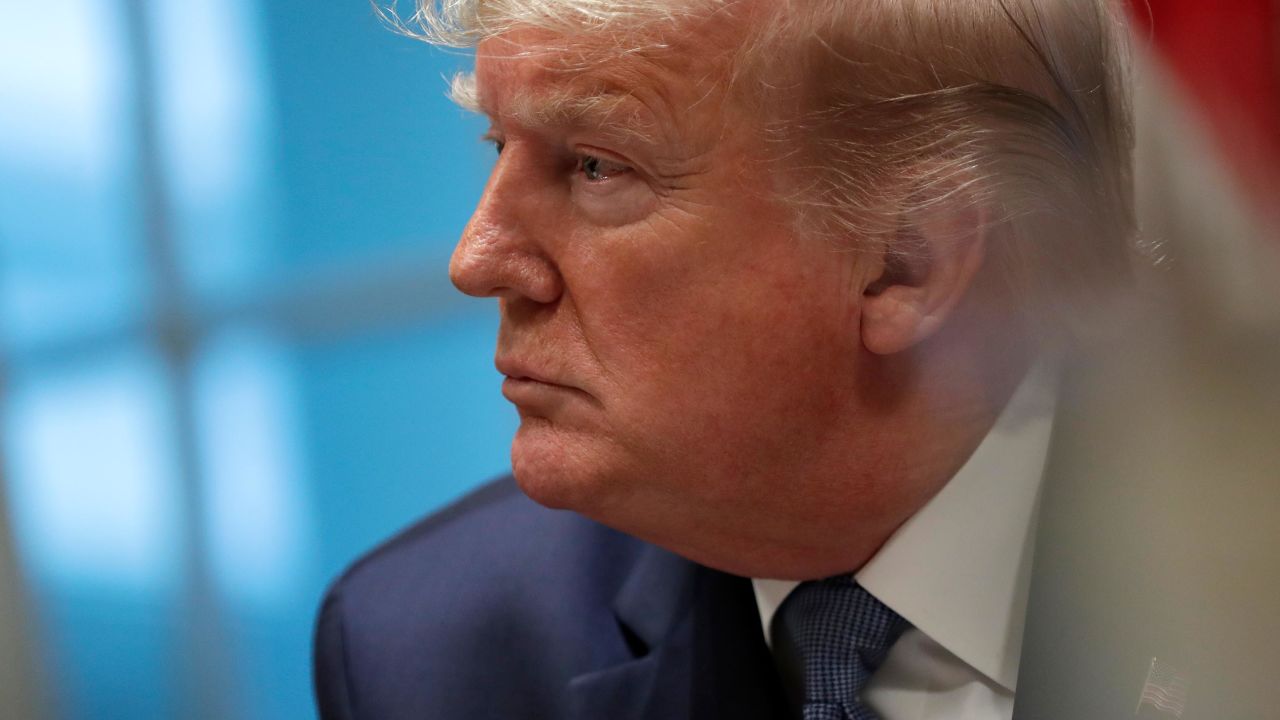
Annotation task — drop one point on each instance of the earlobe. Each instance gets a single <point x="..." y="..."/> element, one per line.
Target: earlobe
<point x="895" y="319"/>
<point x="928" y="270"/>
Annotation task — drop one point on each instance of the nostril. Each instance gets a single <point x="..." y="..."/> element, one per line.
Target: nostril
<point x="544" y="284"/>
<point x="488" y="270"/>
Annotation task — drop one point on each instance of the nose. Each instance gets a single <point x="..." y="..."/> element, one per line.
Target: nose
<point x="501" y="252"/>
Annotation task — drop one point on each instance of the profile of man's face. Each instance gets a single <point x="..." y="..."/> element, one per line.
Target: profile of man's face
<point x="681" y="358"/>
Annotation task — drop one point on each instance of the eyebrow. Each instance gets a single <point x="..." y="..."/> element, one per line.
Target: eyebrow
<point x="615" y="113"/>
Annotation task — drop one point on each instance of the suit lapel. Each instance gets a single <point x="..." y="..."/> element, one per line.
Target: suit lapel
<point x="697" y="651"/>
<point x="735" y="677"/>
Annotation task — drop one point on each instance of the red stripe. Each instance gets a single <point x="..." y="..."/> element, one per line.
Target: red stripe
<point x="1227" y="55"/>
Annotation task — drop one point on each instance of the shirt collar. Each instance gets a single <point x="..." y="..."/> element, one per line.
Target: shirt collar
<point x="959" y="569"/>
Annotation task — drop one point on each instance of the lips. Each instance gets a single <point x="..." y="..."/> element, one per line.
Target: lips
<point x="517" y="370"/>
<point x="529" y="386"/>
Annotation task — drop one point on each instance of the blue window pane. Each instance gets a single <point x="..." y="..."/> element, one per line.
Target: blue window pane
<point x="372" y="155"/>
<point x="215" y="144"/>
<point x="93" y="495"/>
<point x="257" y="513"/>
<point x="91" y="472"/>
<point x="258" y="518"/>
<point x="68" y="256"/>
<point x="111" y="654"/>
<point x="398" y="424"/>
<point x="273" y="661"/>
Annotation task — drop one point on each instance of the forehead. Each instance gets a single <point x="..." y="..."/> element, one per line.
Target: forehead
<point x="538" y="78"/>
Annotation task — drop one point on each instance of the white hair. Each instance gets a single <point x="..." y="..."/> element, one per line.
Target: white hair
<point x="1017" y="107"/>
<point x="464" y="23"/>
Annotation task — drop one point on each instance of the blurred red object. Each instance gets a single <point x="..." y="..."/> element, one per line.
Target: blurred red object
<point x="1226" y="54"/>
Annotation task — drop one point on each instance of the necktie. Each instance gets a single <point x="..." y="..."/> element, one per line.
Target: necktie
<point x="829" y="637"/>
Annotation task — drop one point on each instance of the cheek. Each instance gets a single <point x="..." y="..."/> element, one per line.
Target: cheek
<point x="719" y="349"/>
<point x="739" y="364"/>
<point x="773" y="361"/>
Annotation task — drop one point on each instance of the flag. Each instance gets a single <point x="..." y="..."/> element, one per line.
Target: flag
<point x="1165" y="692"/>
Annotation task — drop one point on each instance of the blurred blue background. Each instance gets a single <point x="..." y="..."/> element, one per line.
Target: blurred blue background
<point x="232" y="359"/>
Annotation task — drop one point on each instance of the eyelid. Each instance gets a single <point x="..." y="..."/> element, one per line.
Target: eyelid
<point x="590" y="151"/>
<point x="605" y="167"/>
<point x="607" y="161"/>
<point x="623" y="165"/>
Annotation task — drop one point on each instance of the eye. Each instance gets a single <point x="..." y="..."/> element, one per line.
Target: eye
<point x="598" y="169"/>
<point x="492" y="138"/>
<point x="607" y="190"/>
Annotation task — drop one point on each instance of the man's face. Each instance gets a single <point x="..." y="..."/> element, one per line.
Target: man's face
<point x="683" y="361"/>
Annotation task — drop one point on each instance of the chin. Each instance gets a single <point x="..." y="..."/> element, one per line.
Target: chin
<point x="556" y="469"/>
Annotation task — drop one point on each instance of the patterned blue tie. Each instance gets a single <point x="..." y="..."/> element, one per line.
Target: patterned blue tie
<point x="829" y="637"/>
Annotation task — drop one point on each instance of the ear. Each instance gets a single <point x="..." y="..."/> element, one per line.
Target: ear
<point x="924" y="273"/>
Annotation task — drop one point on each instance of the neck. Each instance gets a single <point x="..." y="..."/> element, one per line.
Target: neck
<point x="917" y="419"/>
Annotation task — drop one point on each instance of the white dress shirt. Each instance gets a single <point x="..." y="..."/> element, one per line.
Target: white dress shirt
<point x="958" y="571"/>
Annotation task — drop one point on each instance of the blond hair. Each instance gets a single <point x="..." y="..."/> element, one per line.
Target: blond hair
<point x="902" y="107"/>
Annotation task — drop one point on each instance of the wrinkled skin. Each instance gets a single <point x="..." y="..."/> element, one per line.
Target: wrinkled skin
<point x="688" y="367"/>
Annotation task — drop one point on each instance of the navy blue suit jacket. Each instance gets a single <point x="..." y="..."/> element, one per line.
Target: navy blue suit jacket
<point x="499" y="608"/>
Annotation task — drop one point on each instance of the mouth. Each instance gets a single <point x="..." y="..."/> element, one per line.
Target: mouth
<point x="529" y="387"/>
<point x="518" y="371"/>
